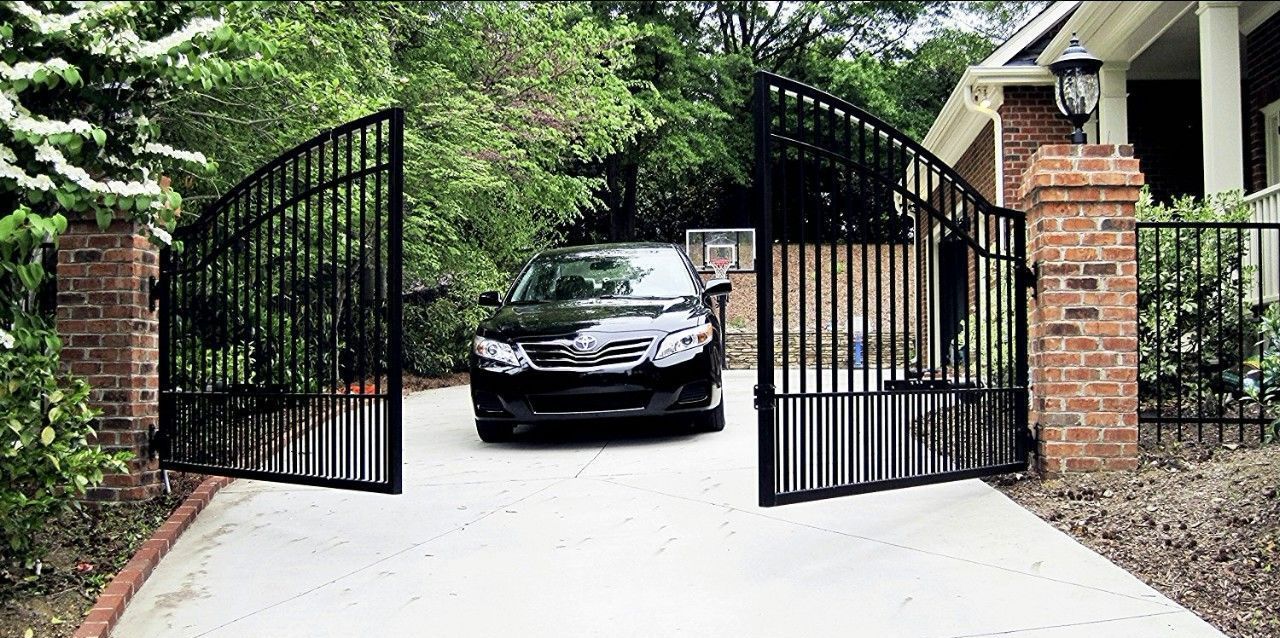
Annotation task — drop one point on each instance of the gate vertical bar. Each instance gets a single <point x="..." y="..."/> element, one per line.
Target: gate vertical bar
<point x="1022" y="383"/>
<point x="395" y="213"/>
<point x="764" y="294"/>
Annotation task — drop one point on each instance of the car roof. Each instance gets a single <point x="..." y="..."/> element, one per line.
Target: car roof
<point x="600" y="248"/>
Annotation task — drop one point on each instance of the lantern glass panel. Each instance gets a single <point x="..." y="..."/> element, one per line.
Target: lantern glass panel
<point x="1077" y="93"/>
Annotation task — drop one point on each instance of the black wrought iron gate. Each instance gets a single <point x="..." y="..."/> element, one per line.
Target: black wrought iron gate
<point x="280" y="310"/>
<point x="891" y="317"/>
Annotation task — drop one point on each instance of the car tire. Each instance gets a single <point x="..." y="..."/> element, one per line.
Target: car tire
<point x="710" y="421"/>
<point x="491" y="431"/>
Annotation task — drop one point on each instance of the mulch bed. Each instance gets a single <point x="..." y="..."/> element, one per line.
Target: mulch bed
<point x="414" y="383"/>
<point x="86" y="548"/>
<point x="1199" y="524"/>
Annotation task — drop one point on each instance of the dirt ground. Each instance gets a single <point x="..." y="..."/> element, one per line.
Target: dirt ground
<point x="414" y="383"/>
<point x="1200" y="524"/>
<point x="88" y="547"/>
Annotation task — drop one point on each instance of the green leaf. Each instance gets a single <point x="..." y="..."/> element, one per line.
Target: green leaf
<point x="99" y="136"/>
<point x="67" y="200"/>
<point x="104" y="217"/>
<point x="7" y="225"/>
<point x="28" y="277"/>
<point x="71" y="75"/>
<point x="47" y="435"/>
<point x="142" y="203"/>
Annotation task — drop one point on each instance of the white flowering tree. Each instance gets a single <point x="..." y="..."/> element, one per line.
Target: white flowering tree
<point x="79" y="85"/>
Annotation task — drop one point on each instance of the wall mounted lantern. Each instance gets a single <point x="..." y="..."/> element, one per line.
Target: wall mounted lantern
<point x="1076" y="90"/>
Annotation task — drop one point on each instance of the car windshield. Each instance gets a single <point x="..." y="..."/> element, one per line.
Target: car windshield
<point x="605" y="274"/>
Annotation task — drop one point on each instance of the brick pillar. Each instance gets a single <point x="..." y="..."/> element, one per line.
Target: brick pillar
<point x="110" y="338"/>
<point x="1083" y="328"/>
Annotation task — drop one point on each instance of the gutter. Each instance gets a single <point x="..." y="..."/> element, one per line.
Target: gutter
<point x="997" y="134"/>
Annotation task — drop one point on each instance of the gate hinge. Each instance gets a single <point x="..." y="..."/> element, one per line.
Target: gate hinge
<point x="1030" y="277"/>
<point x="153" y="293"/>
<point x="157" y="443"/>
<point x="764" y="396"/>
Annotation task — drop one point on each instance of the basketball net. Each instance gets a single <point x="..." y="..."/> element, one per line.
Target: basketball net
<point x="721" y="267"/>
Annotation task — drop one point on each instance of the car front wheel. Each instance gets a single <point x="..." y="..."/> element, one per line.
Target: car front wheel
<point x="494" y="431"/>
<point x="710" y="421"/>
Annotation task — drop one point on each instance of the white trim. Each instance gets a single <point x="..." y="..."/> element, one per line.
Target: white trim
<point x="1220" y="100"/>
<point x="991" y="94"/>
<point x="1258" y="18"/>
<point x="1157" y="28"/>
<point x="1116" y="31"/>
<point x="956" y="126"/>
<point x="1271" y="134"/>
<point x="1113" y="104"/>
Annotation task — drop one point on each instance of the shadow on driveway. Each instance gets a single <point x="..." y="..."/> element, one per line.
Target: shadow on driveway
<point x="643" y="431"/>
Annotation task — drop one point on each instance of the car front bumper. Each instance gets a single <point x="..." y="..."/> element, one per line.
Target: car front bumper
<point x="684" y="383"/>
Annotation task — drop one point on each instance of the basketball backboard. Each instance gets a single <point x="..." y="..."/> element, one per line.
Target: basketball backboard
<point x="706" y="246"/>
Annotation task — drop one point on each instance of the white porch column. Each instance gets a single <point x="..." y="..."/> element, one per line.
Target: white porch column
<point x="1113" y="103"/>
<point x="1220" y="114"/>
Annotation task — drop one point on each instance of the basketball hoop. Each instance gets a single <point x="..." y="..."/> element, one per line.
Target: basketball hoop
<point x="721" y="267"/>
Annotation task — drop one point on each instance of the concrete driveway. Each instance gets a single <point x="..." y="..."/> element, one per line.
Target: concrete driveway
<point x="630" y="533"/>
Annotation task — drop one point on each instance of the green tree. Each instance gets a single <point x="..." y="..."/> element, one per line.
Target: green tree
<point x="78" y="86"/>
<point x="504" y="102"/>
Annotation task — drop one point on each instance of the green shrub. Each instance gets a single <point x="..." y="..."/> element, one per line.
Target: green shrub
<point x="45" y="420"/>
<point x="45" y="455"/>
<point x="1193" y="321"/>
<point x="440" y="320"/>
<point x="1266" y="391"/>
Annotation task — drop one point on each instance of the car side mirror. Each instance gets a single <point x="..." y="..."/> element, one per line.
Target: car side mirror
<point x="490" y="299"/>
<point x="717" y="288"/>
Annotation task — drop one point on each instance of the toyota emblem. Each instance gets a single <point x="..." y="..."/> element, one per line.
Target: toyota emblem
<point x="584" y="343"/>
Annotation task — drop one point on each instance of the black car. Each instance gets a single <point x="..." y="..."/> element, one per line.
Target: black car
<point x="590" y="332"/>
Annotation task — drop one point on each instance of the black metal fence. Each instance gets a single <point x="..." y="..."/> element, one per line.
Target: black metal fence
<point x="893" y="246"/>
<point x="280" y="319"/>
<point x="1208" y="330"/>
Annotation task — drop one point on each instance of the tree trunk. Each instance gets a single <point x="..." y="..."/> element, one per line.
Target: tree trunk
<point x="627" y="224"/>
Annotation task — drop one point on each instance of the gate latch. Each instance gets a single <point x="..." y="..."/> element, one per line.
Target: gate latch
<point x="764" y="396"/>
<point x="157" y="443"/>
<point x="1030" y="277"/>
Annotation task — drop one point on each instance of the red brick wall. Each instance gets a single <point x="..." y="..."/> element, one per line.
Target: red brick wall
<point x="1030" y="118"/>
<point x="111" y="339"/>
<point x="978" y="163"/>
<point x="1082" y="324"/>
<point x="741" y="312"/>
<point x="1262" y="87"/>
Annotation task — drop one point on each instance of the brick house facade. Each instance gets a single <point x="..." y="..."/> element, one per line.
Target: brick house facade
<point x="1187" y="84"/>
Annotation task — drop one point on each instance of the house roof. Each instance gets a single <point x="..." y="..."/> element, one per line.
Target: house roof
<point x="1013" y="62"/>
<point x="1117" y="32"/>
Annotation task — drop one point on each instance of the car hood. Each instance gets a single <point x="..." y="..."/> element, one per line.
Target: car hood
<point x="559" y="318"/>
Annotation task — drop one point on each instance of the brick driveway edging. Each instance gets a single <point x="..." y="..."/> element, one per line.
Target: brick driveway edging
<point x="112" y="601"/>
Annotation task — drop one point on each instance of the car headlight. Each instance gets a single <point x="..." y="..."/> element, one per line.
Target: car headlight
<point x="677" y="342"/>
<point x="495" y="350"/>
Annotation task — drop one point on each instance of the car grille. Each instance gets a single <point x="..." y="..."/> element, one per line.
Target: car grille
<point x="589" y="402"/>
<point x="560" y="354"/>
